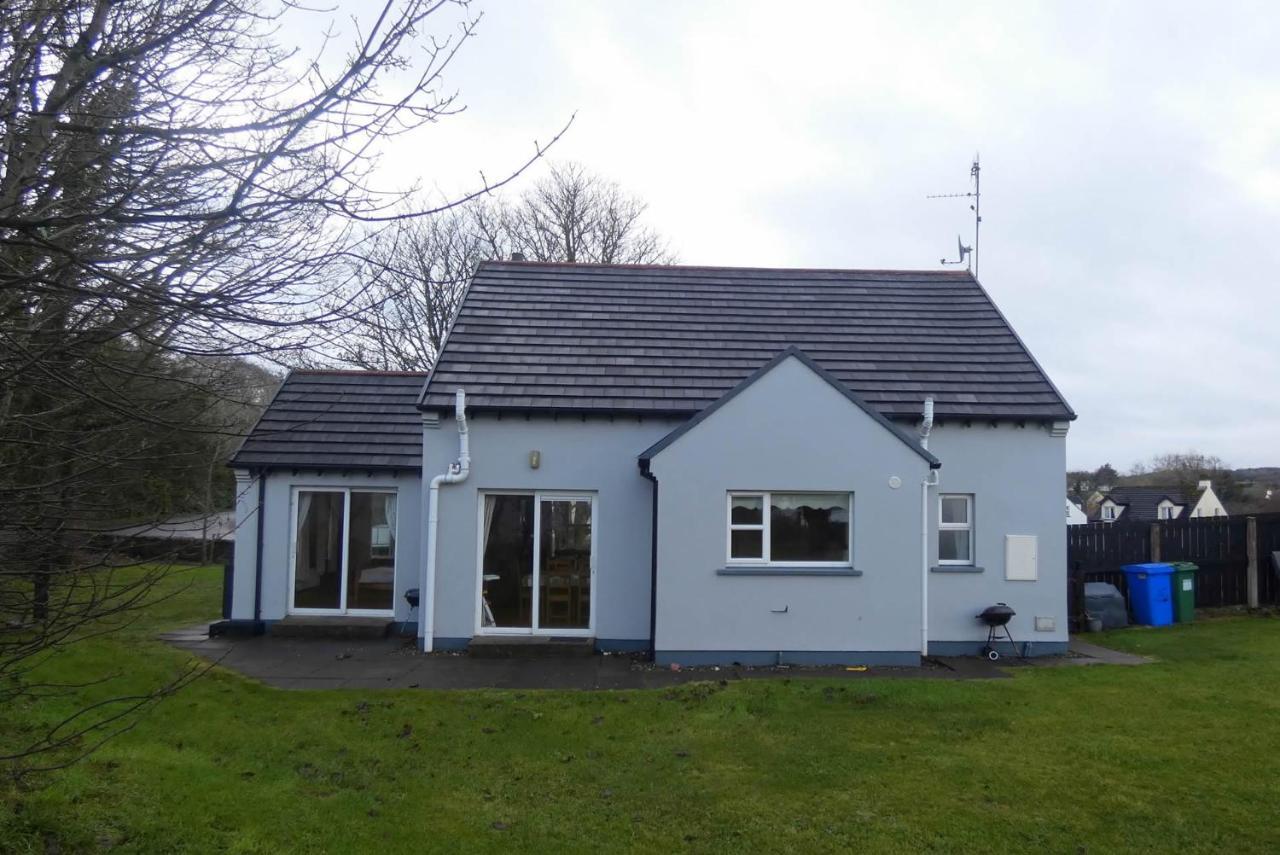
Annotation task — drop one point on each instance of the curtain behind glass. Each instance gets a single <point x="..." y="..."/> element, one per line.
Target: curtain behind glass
<point x="389" y="509"/>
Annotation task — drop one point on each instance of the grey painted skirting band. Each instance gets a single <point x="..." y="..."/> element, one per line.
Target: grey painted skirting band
<point x="765" y="658"/>
<point x="603" y="645"/>
<point x="788" y="571"/>
<point x="622" y="645"/>
<point x="239" y="627"/>
<point x="956" y="568"/>
<point x="974" y="648"/>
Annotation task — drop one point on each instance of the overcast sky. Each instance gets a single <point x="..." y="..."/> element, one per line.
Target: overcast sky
<point x="1130" y="154"/>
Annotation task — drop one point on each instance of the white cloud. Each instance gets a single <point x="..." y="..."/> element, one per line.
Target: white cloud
<point x="1131" y="154"/>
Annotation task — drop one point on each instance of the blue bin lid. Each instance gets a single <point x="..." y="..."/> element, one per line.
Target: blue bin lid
<point x="1150" y="569"/>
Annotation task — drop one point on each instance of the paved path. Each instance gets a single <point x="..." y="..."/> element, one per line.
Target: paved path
<point x="396" y="664"/>
<point x="1096" y="655"/>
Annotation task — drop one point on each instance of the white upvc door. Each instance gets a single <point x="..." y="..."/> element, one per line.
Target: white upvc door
<point x="303" y="580"/>
<point x="553" y="573"/>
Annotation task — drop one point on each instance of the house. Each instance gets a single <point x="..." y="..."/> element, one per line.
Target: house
<point x="1137" y="503"/>
<point x="322" y="483"/>
<point x="711" y="465"/>
<point x="1075" y="512"/>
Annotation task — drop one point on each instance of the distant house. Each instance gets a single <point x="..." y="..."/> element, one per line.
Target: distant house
<point x="1138" y="503"/>
<point x="1075" y="512"/>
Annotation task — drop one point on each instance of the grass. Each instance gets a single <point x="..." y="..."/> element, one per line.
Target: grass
<point x="1179" y="755"/>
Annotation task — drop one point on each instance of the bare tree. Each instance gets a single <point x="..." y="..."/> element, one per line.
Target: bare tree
<point x="410" y="280"/>
<point x="1184" y="470"/>
<point x="572" y="215"/>
<point x="177" y="189"/>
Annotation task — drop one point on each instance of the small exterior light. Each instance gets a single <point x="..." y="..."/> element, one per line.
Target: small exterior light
<point x="895" y="482"/>
<point x="535" y="459"/>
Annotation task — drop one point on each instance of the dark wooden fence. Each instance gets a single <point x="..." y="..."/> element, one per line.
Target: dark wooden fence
<point x="1233" y="554"/>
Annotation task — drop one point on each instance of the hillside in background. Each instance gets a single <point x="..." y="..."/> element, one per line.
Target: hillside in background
<point x="1258" y="490"/>
<point x="1248" y="490"/>
<point x="1262" y="474"/>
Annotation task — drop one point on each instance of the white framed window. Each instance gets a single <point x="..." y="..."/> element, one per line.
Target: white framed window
<point x="1166" y="512"/>
<point x="789" y="528"/>
<point x="1108" y="512"/>
<point x="955" y="528"/>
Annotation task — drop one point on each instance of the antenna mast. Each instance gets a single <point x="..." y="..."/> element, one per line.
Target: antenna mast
<point x="968" y="253"/>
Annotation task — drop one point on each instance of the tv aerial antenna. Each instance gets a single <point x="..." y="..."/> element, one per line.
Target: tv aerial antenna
<point x="968" y="254"/>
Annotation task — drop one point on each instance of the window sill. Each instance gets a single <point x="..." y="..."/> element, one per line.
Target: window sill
<point x="788" y="571"/>
<point x="956" y="568"/>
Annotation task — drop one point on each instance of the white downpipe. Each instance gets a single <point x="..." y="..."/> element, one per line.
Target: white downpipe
<point x="930" y="480"/>
<point x="458" y="472"/>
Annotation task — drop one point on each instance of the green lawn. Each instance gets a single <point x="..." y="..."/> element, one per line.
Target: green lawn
<point x="1180" y="755"/>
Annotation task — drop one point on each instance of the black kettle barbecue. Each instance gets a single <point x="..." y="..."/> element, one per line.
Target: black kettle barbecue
<point x="997" y="618"/>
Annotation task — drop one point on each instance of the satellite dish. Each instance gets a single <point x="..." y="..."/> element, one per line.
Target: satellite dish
<point x="962" y="250"/>
<point x="968" y="253"/>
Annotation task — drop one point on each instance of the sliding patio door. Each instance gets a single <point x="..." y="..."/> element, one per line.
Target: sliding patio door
<point x="536" y="564"/>
<point x="344" y="548"/>
<point x="506" y="575"/>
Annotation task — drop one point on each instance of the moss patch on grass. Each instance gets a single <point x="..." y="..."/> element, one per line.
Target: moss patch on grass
<point x="1180" y="755"/>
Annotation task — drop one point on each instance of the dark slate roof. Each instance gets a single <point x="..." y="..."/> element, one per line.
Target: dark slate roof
<point x="912" y="443"/>
<point x="671" y="340"/>
<point x="339" y="420"/>
<point x="1141" y="503"/>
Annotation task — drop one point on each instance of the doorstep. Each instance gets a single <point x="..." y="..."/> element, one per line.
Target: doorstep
<point x="530" y="647"/>
<point x="337" y="626"/>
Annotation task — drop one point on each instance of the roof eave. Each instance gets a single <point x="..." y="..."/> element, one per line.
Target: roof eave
<point x="447" y="407"/>
<point x="276" y="465"/>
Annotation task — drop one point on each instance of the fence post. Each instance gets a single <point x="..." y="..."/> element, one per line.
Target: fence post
<point x="1155" y="542"/>
<point x="1251" y="544"/>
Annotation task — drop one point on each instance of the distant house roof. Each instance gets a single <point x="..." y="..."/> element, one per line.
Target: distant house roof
<point x="1141" y="503"/>
<point x="339" y="420"/>
<point x="636" y="339"/>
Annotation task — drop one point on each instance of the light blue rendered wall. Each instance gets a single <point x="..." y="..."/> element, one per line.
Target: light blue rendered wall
<point x="790" y="430"/>
<point x="597" y="455"/>
<point x="1016" y="475"/>
<point x="276" y="522"/>
<point x="246" y="545"/>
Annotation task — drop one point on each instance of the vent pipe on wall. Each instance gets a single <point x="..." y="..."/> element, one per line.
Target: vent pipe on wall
<point x="926" y="424"/>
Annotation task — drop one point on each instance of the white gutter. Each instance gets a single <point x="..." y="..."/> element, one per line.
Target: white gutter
<point x="458" y="472"/>
<point x="930" y="480"/>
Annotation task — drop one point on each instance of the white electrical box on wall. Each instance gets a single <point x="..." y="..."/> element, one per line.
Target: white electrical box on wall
<point x="1021" y="559"/>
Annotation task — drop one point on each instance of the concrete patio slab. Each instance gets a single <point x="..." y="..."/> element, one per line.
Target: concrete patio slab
<point x="1098" y="655"/>
<point x="392" y="663"/>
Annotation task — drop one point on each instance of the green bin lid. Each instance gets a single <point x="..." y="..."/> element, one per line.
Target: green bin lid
<point x="1184" y="567"/>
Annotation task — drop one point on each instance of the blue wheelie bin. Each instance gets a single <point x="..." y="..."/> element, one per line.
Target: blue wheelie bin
<point x="1150" y="593"/>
